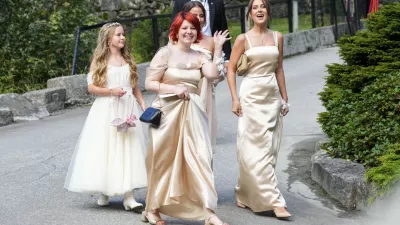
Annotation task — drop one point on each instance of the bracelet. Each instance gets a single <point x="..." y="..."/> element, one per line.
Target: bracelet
<point x="285" y="105"/>
<point x="111" y="92"/>
<point x="220" y="62"/>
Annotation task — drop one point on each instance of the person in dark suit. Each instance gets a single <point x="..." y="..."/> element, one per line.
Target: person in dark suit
<point x="216" y="19"/>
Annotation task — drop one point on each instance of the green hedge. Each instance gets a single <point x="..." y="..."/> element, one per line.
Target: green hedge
<point x="362" y="96"/>
<point x="388" y="173"/>
<point x="141" y="39"/>
<point x="38" y="40"/>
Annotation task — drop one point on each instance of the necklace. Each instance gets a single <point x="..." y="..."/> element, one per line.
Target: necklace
<point x="116" y="61"/>
<point x="119" y="61"/>
<point x="262" y="38"/>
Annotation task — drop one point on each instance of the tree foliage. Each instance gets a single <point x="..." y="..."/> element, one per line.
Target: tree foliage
<point x="38" y="39"/>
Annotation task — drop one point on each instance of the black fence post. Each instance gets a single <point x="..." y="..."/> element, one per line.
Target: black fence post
<point x="332" y="17"/>
<point x="156" y="42"/>
<point x="313" y="14"/>
<point x="321" y="12"/>
<point x="357" y="15"/>
<point x="290" y="15"/>
<point x="347" y="13"/>
<point x="77" y="40"/>
<point x="243" y="19"/>
<point x="333" y="8"/>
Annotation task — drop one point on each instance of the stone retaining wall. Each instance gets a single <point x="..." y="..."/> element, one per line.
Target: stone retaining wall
<point x="113" y="9"/>
<point x="342" y="180"/>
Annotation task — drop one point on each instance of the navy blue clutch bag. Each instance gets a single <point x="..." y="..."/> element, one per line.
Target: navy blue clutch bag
<point x="151" y="116"/>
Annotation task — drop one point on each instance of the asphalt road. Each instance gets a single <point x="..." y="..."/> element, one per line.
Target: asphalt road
<point x="34" y="158"/>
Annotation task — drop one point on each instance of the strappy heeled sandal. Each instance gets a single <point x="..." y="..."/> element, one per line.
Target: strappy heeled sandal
<point x="282" y="215"/>
<point x="146" y="219"/>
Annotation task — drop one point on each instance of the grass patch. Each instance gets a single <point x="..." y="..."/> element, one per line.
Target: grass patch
<point x="282" y="25"/>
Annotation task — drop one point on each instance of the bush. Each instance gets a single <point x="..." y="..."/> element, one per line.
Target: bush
<point x="363" y="124"/>
<point x="39" y="40"/>
<point x="388" y="174"/>
<point x="362" y="99"/>
<point x="362" y="95"/>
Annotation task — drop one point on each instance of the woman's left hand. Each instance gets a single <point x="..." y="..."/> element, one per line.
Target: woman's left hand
<point x="143" y="106"/>
<point x="284" y="107"/>
<point x="284" y="111"/>
<point x="221" y="37"/>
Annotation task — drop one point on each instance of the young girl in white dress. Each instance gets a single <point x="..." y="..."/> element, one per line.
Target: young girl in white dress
<point x="109" y="157"/>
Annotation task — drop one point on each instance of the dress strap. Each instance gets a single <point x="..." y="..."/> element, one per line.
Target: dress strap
<point x="248" y="40"/>
<point x="275" y="34"/>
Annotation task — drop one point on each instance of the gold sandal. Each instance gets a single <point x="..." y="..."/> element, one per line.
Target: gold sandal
<point x="145" y="219"/>
<point x="282" y="215"/>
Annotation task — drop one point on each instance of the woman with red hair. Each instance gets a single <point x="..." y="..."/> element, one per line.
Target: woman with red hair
<point x="180" y="178"/>
<point x="207" y="89"/>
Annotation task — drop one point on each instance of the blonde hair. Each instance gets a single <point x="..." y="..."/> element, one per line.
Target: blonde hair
<point x="102" y="53"/>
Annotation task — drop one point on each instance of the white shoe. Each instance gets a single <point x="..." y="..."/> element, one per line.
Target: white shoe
<point x="103" y="200"/>
<point x="130" y="202"/>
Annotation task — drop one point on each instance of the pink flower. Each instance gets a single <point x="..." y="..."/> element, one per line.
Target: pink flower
<point x="131" y="120"/>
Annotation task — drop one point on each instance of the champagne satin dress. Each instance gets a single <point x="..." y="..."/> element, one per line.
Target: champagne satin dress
<point x="180" y="179"/>
<point x="259" y="130"/>
<point x="207" y="95"/>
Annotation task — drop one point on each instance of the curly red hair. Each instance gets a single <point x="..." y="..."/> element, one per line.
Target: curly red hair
<point x="177" y="23"/>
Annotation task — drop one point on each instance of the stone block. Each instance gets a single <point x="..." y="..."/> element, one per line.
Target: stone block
<point x="309" y="40"/>
<point x="127" y="13"/>
<point x="111" y="5"/>
<point x="141" y="68"/>
<point x="22" y="108"/>
<point x="128" y="4"/>
<point x="52" y="99"/>
<point x="342" y="180"/>
<point x="109" y="15"/>
<point x="76" y="88"/>
<point x="6" y="116"/>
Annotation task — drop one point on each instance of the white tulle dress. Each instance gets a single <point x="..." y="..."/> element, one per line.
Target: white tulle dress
<point x="106" y="161"/>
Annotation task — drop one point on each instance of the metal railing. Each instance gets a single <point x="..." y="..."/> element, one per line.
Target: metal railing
<point x="155" y="28"/>
<point x="128" y="20"/>
<point x="336" y="10"/>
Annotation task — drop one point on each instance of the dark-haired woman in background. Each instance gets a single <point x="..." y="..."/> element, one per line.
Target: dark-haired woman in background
<point x="207" y="88"/>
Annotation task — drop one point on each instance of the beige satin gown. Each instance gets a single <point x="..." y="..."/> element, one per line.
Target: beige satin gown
<point x="180" y="179"/>
<point x="259" y="130"/>
<point x="207" y="95"/>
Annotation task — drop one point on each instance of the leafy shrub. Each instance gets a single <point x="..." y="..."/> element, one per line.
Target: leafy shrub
<point x="361" y="125"/>
<point x="388" y="174"/>
<point x="362" y="98"/>
<point x="142" y="37"/>
<point x="38" y="41"/>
